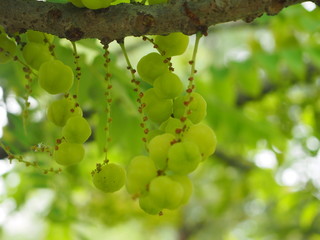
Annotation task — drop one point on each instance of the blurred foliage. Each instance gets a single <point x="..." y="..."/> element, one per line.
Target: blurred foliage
<point x="262" y="85"/>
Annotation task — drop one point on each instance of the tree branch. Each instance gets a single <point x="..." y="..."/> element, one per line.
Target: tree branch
<point x="119" y="21"/>
<point x="3" y="154"/>
<point x="241" y="164"/>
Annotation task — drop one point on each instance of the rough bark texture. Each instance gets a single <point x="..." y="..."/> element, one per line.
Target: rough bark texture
<point x="117" y="22"/>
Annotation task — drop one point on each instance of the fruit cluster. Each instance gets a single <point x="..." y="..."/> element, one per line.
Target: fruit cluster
<point x="76" y="130"/>
<point x="181" y="141"/>
<point x="176" y="146"/>
<point x="36" y="51"/>
<point x="55" y="77"/>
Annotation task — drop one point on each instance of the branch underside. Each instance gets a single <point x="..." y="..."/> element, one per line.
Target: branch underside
<point x="119" y="21"/>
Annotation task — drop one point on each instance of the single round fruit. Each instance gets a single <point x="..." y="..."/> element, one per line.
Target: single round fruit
<point x="168" y="85"/>
<point x="151" y="66"/>
<point x="96" y="4"/>
<point x="165" y="193"/>
<point x="204" y="137"/>
<point x="7" y="48"/>
<point x="183" y="157"/>
<point x="173" y="44"/>
<point x="110" y="178"/>
<point x="77" y="3"/>
<point x="186" y="185"/>
<point x="157" y="109"/>
<point x="175" y="126"/>
<point x="39" y="37"/>
<point x="59" y="111"/>
<point x="195" y="104"/>
<point x="147" y="204"/>
<point x="140" y="172"/>
<point x="76" y="130"/>
<point x="158" y="149"/>
<point x="116" y="2"/>
<point x="152" y="133"/>
<point x="151" y="2"/>
<point x="68" y="153"/>
<point x="55" y="77"/>
<point x="36" y="54"/>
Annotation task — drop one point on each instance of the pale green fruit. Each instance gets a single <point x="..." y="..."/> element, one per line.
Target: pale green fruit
<point x="77" y="3"/>
<point x="36" y="54"/>
<point x="39" y="37"/>
<point x="96" y="4"/>
<point x="165" y="192"/>
<point x="55" y="77"/>
<point x="186" y="185"/>
<point x="204" y="137"/>
<point x="140" y="172"/>
<point x="173" y="44"/>
<point x="8" y="49"/>
<point x="148" y="205"/>
<point x="151" y="66"/>
<point x="76" y="130"/>
<point x="175" y="126"/>
<point x="110" y="178"/>
<point x="168" y="85"/>
<point x="153" y="133"/>
<point x="158" y="149"/>
<point x="68" y="153"/>
<point x="151" y="2"/>
<point x="59" y="111"/>
<point x="184" y="157"/>
<point x="196" y="110"/>
<point x="157" y="109"/>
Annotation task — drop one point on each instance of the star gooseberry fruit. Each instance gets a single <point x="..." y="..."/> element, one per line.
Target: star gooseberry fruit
<point x="76" y="130"/>
<point x="36" y="54"/>
<point x="68" y="153"/>
<point x="110" y="178"/>
<point x="7" y="48"/>
<point x="96" y="4"/>
<point x="55" y="77"/>
<point x="59" y="111"/>
<point x="151" y="66"/>
<point x="39" y="37"/>
<point x="173" y="44"/>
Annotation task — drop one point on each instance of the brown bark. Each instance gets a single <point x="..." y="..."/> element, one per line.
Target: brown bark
<point x="117" y="22"/>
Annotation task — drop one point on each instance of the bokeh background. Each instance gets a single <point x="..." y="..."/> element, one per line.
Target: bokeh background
<point x="262" y="85"/>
